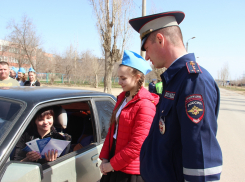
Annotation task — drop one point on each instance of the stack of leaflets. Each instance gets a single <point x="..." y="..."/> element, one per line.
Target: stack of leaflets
<point x="44" y="145"/>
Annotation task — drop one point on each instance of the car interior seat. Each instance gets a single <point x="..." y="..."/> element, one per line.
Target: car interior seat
<point x="60" y="123"/>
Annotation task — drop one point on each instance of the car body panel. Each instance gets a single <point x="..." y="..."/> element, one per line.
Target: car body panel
<point x="22" y="172"/>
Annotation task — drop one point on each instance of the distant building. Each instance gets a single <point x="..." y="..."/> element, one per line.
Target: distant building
<point x="9" y="52"/>
<point x="15" y="56"/>
<point x="222" y="82"/>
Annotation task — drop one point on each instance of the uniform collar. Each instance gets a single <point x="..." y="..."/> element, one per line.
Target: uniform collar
<point x="177" y="59"/>
<point x="176" y="66"/>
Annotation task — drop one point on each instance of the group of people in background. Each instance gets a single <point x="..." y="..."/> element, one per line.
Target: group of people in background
<point x="156" y="87"/>
<point x="16" y="77"/>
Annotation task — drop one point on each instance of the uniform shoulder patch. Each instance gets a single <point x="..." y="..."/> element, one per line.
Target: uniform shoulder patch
<point x="194" y="107"/>
<point x="193" y="67"/>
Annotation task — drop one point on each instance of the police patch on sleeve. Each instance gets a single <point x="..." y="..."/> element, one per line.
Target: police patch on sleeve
<point x="194" y="107"/>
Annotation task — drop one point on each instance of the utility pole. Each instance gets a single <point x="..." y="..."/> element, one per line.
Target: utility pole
<point x="143" y="14"/>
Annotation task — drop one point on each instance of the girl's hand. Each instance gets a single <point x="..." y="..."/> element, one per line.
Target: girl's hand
<point x="103" y="162"/>
<point x="32" y="156"/>
<point x="106" y="167"/>
<point x="52" y="155"/>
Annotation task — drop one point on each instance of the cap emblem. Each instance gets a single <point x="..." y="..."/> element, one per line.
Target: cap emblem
<point x="145" y="33"/>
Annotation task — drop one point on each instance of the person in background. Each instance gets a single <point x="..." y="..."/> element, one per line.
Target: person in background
<point x="182" y="143"/>
<point x="130" y="122"/>
<point x="40" y="127"/>
<point x="21" y="76"/>
<point x="13" y="72"/>
<point x="152" y="86"/>
<point x="32" y="78"/>
<point x="5" y="80"/>
<point x="158" y="88"/>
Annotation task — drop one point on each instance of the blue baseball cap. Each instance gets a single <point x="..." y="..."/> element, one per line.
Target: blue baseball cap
<point x="134" y="60"/>
<point x="32" y="70"/>
<point x="22" y="70"/>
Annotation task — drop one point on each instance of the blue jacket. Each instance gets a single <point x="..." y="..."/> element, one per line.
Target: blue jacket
<point x="182" y="144"/>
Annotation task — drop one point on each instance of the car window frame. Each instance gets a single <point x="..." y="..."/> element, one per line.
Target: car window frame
<point x="113" y="101"/>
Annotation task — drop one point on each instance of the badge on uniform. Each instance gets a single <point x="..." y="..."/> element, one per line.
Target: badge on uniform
<point x="162" y="125"/>
<point x="193" y="67"/>
<point x="194" y="107"/>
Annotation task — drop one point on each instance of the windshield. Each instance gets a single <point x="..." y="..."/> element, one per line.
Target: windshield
<point x="10" y="111"/>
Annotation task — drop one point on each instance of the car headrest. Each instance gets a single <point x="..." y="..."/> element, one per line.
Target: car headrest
<point x="60" y="117"/>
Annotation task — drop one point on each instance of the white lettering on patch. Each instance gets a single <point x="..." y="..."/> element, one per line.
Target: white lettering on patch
<point x="169" y="95"/>
<point x="194" y="102"/>
<point x="194" y="96"/>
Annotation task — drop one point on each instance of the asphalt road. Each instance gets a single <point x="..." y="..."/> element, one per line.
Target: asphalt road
<point x="231" y="135"/>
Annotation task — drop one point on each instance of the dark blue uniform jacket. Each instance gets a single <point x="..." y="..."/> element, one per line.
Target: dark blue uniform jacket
<point x="151" y="87"/>
<point x="182" y="144"/>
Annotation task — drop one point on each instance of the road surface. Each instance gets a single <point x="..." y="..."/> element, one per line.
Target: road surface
<point x="231" y="135"/>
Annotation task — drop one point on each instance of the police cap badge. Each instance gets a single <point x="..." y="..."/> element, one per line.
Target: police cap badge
<point x="147" y="24"/>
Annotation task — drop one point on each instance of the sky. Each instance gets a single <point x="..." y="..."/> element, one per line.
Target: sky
<point x="218" y="27"/>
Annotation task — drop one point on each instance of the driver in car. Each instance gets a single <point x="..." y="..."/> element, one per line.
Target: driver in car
<point x="40" y="127"/>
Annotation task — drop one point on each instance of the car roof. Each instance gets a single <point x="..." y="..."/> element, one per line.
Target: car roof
<point x="40" y="94"/>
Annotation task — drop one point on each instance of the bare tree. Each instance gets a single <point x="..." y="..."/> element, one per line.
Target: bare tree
<point x="45" y="62"/>
<point x="24" y="38"/>
<point x="113" y="27"/>
<point x="69" y="65"/>
<point x="224" y="74"/>
<point x="158" y="72"/>
<point x="69" y="62"/>
<point x="93" y="66"/>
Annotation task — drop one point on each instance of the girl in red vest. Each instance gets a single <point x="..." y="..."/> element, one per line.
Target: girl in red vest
<point x="130" y="122"/>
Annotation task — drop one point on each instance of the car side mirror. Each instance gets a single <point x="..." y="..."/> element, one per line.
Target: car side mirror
<point x="21" y="171"/>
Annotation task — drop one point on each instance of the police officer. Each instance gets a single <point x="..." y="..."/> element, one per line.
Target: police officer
<point x="152" y="86"/>
<point x="182" y="143"/>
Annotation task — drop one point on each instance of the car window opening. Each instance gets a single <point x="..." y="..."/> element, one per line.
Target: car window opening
<point x="79" y="125"/>
<point x="74" y="122"/>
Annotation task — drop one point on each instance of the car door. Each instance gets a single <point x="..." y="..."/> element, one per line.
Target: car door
<point x="81" y="165"/>
<point x="102" y="109"/>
